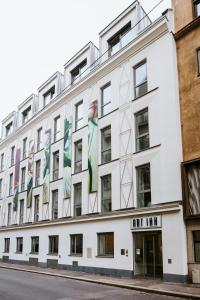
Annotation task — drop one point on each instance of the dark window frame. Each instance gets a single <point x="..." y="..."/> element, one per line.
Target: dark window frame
<point x="55" y="204"/>
<point x="53" y="244"/>
<point x="57" y="132"/>
<point x="76" y="72"/>
<point x="35" y="244"/>
<point x="145" y="82"/>
<point x="103" y="199"/>
<point x="21" y="211"/>
<point x="19" y="244"/>
<point x="77" y="204"/>
<point x="10" y="192"/>
<point x="76" y="252"/>
<point x="50" y="92"/>
<point x="105" y="253"/>
<point x="6" y="245"/>
<point x="55" y="173"/>
<point x="36" y="211"/>
<point x="143" y="191"/>
<point x="117" y="38"/>
<point x="37" y="172"/>
<point x="39" y="138"/>
<point x="108" y="150"/>
<point x="77" y="120"/>
<point x="9" y="216"/>
<point x="25" y="114"/>
<point x="24" y="153"/>
<point x="78" y="162"/>
<point x="23" y="179"/>
<point x="146" y="135"/>
<point x="12" y="156"/>
<point x="105" y="86"/>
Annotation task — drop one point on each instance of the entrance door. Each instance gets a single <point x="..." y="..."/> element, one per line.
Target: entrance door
<point x="148" y="254"/>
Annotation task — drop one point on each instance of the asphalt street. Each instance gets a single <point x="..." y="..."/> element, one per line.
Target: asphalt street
<point x="15" y="285"/>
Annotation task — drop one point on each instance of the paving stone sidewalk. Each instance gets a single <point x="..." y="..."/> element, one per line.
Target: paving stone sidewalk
<point x="184" y="290"/>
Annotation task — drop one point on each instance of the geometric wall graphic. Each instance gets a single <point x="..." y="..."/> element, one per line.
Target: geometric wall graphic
<point x="93" y="203"/>
<point x="126" y="183"/>
<point x="46" y="170"/>
<point x="16" y="179"/>
<point x="67" y="157"/>
<point x="124" y="85"/>
<point x="30" y="172"/>
<point x="45" y="211"/>
<point x="66" y="210"/>
<point x="125" y="132"/>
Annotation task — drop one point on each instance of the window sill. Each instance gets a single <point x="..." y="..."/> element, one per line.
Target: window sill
<point x="52" y="254"/>
<point x="18" y="252"/>
<point x="105" y="256"/>
<point x="34" y="253"/>
<point x="6" y="252"/>
<point x="75" y="255"/>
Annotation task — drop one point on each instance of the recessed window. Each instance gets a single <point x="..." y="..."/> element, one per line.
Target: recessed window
<point x="11" y="184"/>
<point x="197" y="7"/>
<point x="37" y="172"/>
<point x="76" y="246"/>
<point x="106" y="244"/>
<point x="9" y="214"/>
<point x="120" y="39"/>
<point x="2" y="162"/>
<point x="78" y="156"/>
<point x="23" y="178"/>
<point x="49" y="95"/>
<point x="79" y="115"/>
<point x="21" y="212"/>
<point x="143" y="185"/>
<point x="106" y="203"/>
<point x="106" y="144"/>
<point x="142" y="130"/>
<point x="24" y="153"/>
<point x="57" y="129"/>
<point x="19" y="245"/>
<point x="106" y="99"/>
<point x="39" y="139"/>
<point x="140" y="76"/>
<point x="55" y="205"/>
<point x="198" y="61"/>
<point x="7" y="245"/>
<point x="9" y="128"/>
<point x="196" y="239"/>
<point x="79" y="72"/>
<point x="36" y="208"/>
<point x="56" y="165"/>
<point x="77" y="199"/>
<point x="12" y="156"/>
<point x="53" y="244"/>
<point x="26" y="115"/>
<point x="1" y="181"/>
<point x="35" y="244"/>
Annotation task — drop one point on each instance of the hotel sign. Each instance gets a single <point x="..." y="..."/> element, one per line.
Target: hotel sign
<point x="150" y="222"/>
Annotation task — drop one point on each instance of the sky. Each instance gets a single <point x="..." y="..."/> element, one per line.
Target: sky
<point x="39" y="36"/>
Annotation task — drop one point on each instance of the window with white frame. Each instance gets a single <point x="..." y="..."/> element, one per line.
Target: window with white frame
<point x="39" y="139"/>
<point x="105" y="244"/>
<point x="140" y="77"/>
<point x="143" y="185"/>
<point x="106" y="193"/>
<point x="23" y="178"/>
<point x="55" y="205"/>
<point x="79" y="115"/>
<point x="19" y="244"/>
<point x="78" y="156"/>
<point x="77" y="199"/>
<point x="106" y="99"/>
<point x="24" y="154"/>
<point x="37" y="172"/>
<point x="12" y="156"/>
<point x="56" y="165"/>
<point x="11" y="185"/>
<point x="79" y="72"/>
<point x="142" y="130"/>
<point x="57" y="128"/>
<point x="106" y="144"/>
<point x="48" y="96"/>
<point x="76" y="244"/>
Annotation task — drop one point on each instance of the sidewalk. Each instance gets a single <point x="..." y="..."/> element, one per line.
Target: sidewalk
<point x="187" y="291"/>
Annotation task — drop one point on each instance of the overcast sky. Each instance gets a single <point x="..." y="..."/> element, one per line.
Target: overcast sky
<point x="39" y="36"/>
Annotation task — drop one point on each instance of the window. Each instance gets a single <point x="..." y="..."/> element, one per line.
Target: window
<point x="53" y="244"/>
<point x="106" y="99"/>
<point x="196" y="238"/>
<point x="35" y="244"/>
<point x="79" y="115"/>
<point x="79" y="72"/>
<point x="36" y="208"/>
<point x="197" y="7"/>
<point x="78" y="156"/>
<point x="19" y="247"/>
<point x="49" y="95"/>
<point x="77" y="199"/>
<point x="24" y="148"/>
<point x="120" y="39"/>
<point x="26" y="115"/>
<point x="55" y="165"/>
<point x="143" y="186"/>
<point x="1" y="180"/>
<point x="12" y="156"/>
<point x="198" y="60"/>
<point x="21" y="212"/>
<point x="106" y="145"/>
<point x="39" y="139"/>
<point x="106" y="244"/>
<point x="56" y="128"/>
<point x="37" y="172"/>
<point x="9" y="214"/>
<point x="140" y="76"/>
<point x="23" y="178"/>
<point x="142" y="130"/>
<point x="9" y="128"/>
<point x="6" y="245"/>
<point x="55" y="205"/>
<point x="106" y="203"/>
<point x="76" y="244"/>
<point x="11" y="185"/>
<point x="2" y="162"/>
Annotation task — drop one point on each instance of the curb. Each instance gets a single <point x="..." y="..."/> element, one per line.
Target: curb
<point x="100" y="281"/>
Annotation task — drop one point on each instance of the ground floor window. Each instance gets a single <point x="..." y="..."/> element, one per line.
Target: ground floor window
<point x="106" y="244"/>
<point x="196" y="237"/>
<point x="53" y="244"/>
<point x="76" y="247"/>
<point x="35" y="244"/>
<point x="6" y="245"/>
<point x="19" y="247"/>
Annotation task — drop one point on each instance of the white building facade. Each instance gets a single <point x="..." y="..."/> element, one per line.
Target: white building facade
<point x="90" y="166"/>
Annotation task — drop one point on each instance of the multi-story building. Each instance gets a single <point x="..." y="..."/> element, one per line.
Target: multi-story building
<point x="187" y="22"/>
<point x="90" y="166"/>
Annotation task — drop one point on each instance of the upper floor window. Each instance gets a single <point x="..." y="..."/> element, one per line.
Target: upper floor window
<point x="140" y="77"/>
<point x="106" y="203"/>
<point x="106" y="244"/>
<point x="9" y="213"/>
<point x="78" y="72"/>
<point x="55" y="205"/>
<point x="76" y="246"/>
<point x="19" y="245"/>
<point x="12" y="156"/>
<point x="197" y="7"/>
<point x="56" y="128"/>
<point x="196" y="238"/>
<point x="35" y="244"/>
<point x="198" y="60"/>
<point x="2" y="162"/>
<point x="79" y="115"/>
<point x="9" y="128"/>
<point x="106" y="144"/>
<point x="24" y="148"/>
<point x="26" y="115"/>
<point x="23" y="178"/>
<point x="1" y="180"/>
<point x="143" y="186"/>
<point x="11" y="185"/>
<point x="36" y="208"/>
<point x="78" y="157"/>
<point x="39" y="139"/>
<point x="120" y="39"/>
<point x="21" y="212"/>
<point x="77" y="199"/>
<point x="106" y="99"/>
<point x="37" y="172"/>
<point x="142" y="130"/>
<point x="55" y="165"/>
<point x="6" y="245"/>
<point x="49" y="95"/>
<point x="53" y="244"/>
